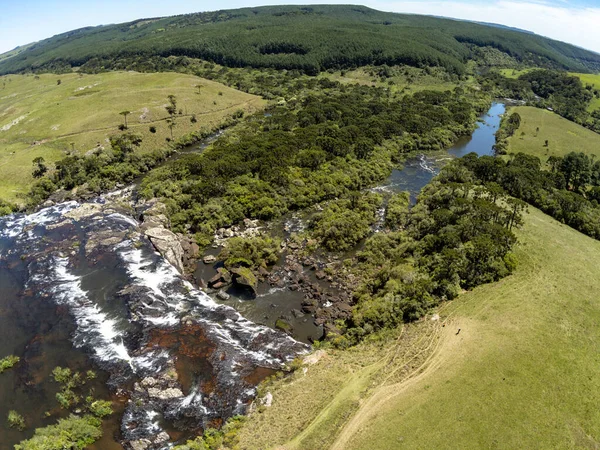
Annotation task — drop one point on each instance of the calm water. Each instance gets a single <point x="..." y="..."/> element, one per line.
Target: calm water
<point x="419" y="171"/>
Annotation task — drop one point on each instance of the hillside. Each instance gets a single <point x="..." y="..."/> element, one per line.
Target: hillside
<point x="309" y="38"/>
<point x="521" y="373"/>
<point x="39" y="117"/>
<point x="594" y="81"/>
<point x="563" y="136"/>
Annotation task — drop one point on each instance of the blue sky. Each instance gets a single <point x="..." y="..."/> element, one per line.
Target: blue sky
<point x="574" y="21"/>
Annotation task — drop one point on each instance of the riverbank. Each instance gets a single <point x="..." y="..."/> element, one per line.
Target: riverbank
<point x="308" y="290"/>
<point x="502" y="378"/>
<point x="50" y="115"/>
<point x="176" y="360"/>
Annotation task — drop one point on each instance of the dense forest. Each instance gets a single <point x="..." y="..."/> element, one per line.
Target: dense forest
<point x="569" y="192"/>
<point x="558" y="91"/>
<point x="307" y="38"/>
<point x="333" y="140"/>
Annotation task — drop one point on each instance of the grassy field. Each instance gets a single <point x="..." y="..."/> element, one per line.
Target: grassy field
<point x="410" y="79"/>
<point x="514" y="73"/>
<point x="39" y="117"/>
<point x="586" y="78"/>
<point x="563" y="135"/>
<point x="594" y="80"/>
<point x="523" y="372"/>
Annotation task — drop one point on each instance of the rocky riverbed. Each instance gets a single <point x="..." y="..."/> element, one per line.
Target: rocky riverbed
<point x="173" y="354"/>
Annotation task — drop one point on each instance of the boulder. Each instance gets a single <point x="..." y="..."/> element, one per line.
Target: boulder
<point x="166" y="394"/>
<point x="284" y="326"/>
<point x="223" y="295"/>
<point x="314" y="358"/>
<point x="220" y="279"/>
<point x="83" y="211"/>
<point x="167" y="244"/>
<point x="162" y="437"/>
<point x="209" y="259"/>
<point x="140" y="444"/>
<point x="244" y="277"/>
<point x="267" y="400"/>
<point x="155" y="217"/>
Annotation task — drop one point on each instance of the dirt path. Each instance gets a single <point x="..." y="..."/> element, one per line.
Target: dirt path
<point x="442" y="345"/>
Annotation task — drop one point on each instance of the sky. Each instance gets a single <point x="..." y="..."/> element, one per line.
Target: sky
<point x="573" y="21"/>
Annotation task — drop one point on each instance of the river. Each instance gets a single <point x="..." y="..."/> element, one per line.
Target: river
<point x="81" y="287"/>
<point x="419" y="170"/>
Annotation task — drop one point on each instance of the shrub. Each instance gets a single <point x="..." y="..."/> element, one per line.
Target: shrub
<point x="8" y="362"/>
<point x="251" y="252"/>
<point x="16" y="420"/>
<point x="74" y="432"/>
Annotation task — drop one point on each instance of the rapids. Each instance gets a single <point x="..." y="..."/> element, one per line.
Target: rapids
<point x="168" y="350"/>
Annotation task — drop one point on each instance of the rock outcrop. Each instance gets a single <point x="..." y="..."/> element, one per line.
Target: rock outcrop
<point x="168" y="245"/>
<point x="244" y="277"/>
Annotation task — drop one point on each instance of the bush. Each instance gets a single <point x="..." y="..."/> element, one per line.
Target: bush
<point x="343" y="223"/>
<point x="74" y="432"/>
<point x="101" y="408"/>
<point x="250" y="252"/>
<point x="16" y="420"/>
<point x="8" y="362"/>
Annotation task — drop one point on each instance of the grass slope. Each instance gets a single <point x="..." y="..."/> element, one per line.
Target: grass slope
<point x="563" y="135"/>
<point x="38" y="117"/>
<point x="522" y="373"/>
<point x="408" y="80"/>
<point x="514" y="73"/>
<point x="594" y="80"/>
<point x="308" y="38"/>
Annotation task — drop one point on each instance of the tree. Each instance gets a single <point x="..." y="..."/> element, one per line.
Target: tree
<point x="172" y="110"/>
<point x="39" y="167"/>
<point x="555" y="162"/>
<point x="125" y="114"/>
<point x="517" y="206"/>
<point x="124" y="144"/>
<point x="363" y="148"/>
<point x="171" y="124"/>
<point x="514" y="122"/>
<point x="172" y="106"/>
<point x="576" y="168"/>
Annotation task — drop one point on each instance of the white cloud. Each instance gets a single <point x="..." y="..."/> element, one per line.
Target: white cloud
<point x="576" y="25"/>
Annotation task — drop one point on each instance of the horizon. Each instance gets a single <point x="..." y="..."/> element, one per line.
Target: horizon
<point x="563" y="23"/>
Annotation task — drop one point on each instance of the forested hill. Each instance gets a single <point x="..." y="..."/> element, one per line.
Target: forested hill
<point x="309" y="38"/>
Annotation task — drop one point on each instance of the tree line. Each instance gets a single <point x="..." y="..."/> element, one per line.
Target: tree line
<point x="310" y="39"/>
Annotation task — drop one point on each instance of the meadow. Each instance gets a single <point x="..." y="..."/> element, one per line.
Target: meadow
<point x="48" y="115"/>
<point x="563" y="136"/>
<point x="405" y="79"/>
<point x="594" y="80"/>
<point x="511" y="364"/>
<point x="514" y="73"/>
